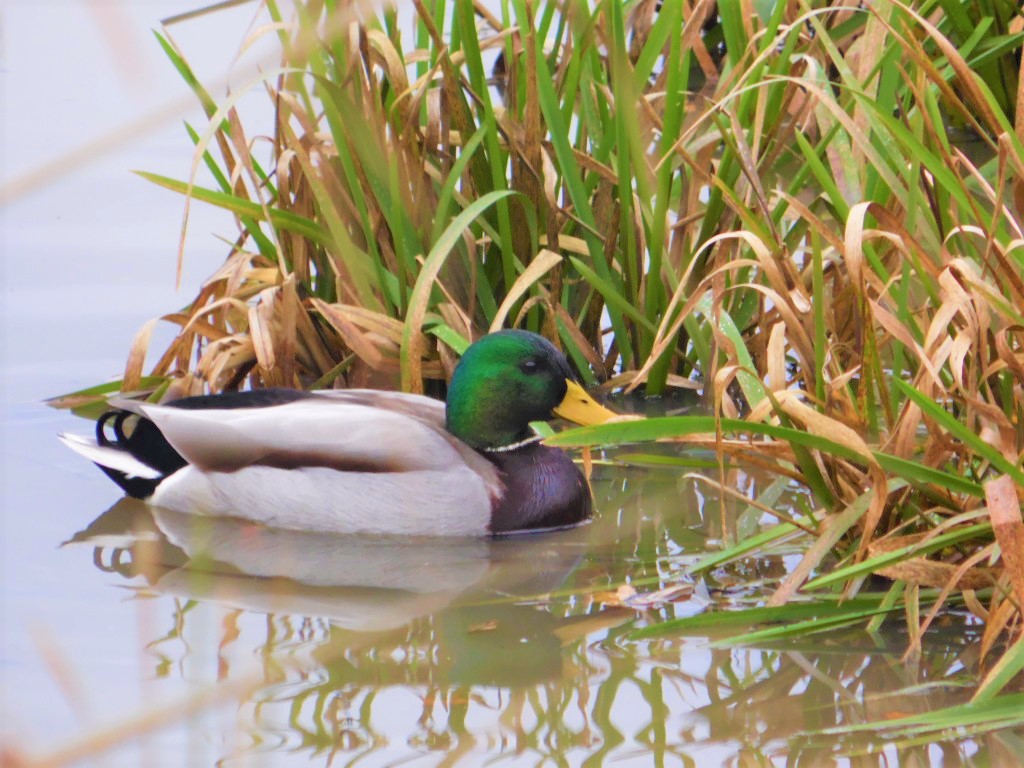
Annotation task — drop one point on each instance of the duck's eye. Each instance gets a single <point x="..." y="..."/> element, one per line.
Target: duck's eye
<point x="529" y="367"/>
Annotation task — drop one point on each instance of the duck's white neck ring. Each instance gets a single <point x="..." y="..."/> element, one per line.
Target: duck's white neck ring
<point x="514" y="446"/>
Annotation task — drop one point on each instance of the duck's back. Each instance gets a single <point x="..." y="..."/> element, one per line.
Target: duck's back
<point x="357" y="430"/>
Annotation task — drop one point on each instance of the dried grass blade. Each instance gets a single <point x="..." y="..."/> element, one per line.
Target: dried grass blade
<point x="1000" y="614"/>
<point x="101" y="739"/>
<point x="137" y="357"/>
<point x="355" y="339"/>
<point x="539" y="266"/>
<point x="959" y="430"/>
<point x="1004" y="510"/>
<point x="832" y="529"/>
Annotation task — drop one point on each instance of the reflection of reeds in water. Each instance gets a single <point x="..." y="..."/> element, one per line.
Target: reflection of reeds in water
<point x="529" y="653"/>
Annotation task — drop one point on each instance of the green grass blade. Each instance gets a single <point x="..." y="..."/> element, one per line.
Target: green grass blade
<point x="714" y="621"/>
<point x="956" y="428"/>
<point x="425" y="281"/>
<point x="875" y="564"/>
<point x="1008" y="667"/>
<point x="244" y="207"/>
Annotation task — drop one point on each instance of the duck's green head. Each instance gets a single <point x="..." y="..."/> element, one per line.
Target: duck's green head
<point x="508" y="379"/>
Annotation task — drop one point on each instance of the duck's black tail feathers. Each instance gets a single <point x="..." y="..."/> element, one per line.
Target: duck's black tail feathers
<point x="138" y="437"/>
<point x="130" y="450"/>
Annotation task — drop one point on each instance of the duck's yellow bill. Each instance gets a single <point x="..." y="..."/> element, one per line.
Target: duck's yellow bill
<point x="581" y="408"/>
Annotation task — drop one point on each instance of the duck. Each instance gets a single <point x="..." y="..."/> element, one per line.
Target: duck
<point x="365" y="461"/>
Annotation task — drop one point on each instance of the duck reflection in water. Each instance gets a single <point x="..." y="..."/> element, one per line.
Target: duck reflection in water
<point x="468" y="607"/>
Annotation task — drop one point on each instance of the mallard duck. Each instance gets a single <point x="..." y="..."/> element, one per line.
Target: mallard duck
<point x="366" y="461"/>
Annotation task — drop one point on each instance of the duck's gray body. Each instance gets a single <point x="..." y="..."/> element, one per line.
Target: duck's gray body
<point x="359" y="461"/>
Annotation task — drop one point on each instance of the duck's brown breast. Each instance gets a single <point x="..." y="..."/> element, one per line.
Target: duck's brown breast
<point x="543" y="489"/>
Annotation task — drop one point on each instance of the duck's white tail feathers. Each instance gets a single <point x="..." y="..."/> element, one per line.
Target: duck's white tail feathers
<point x="109" y="457"/>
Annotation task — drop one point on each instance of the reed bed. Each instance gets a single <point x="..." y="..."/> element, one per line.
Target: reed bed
<point x="810" y="211"/>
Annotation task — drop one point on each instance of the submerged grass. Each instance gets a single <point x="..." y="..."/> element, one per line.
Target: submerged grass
<point x="774" y="200"/>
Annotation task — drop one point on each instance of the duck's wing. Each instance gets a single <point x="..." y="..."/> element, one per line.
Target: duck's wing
<point x="355" y="430"/>
<point x="420" y="407"/>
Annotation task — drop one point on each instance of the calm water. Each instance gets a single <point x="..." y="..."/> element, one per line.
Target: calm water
<point x="330" y="651"/>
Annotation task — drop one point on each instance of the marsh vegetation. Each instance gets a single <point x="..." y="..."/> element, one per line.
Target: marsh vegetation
<point x="808" y="213"/>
